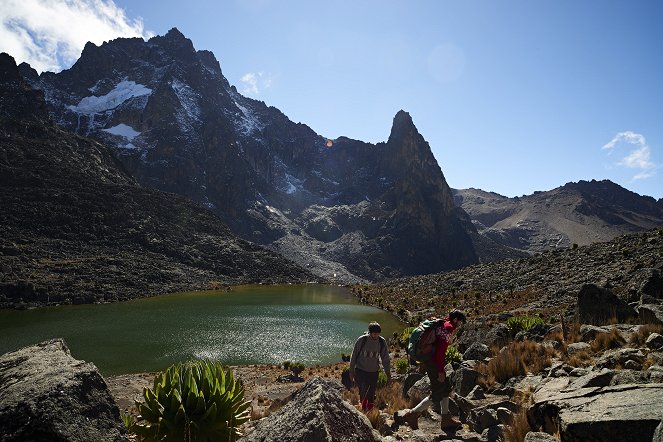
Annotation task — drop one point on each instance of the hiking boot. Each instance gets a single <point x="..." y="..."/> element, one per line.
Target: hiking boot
<point x="412" y="419"/>
<point x="449" y="423"/>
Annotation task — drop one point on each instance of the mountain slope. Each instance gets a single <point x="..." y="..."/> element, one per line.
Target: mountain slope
<point x="75" y="227"/>
<point x="577" y="213"/>
<point x="347" y="210"/>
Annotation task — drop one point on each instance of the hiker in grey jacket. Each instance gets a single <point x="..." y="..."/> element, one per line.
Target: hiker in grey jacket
<point x="369" y="349"/>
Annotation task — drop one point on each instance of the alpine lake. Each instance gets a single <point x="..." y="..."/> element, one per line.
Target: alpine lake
<point x="256" y="324"/>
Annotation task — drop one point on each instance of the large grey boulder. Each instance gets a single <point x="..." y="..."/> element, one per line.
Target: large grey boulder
<point x="651" y="314"/>
<point x="477" y="352"/>
<point x="619" y="357"/>
<point x="463" y="380"/>
<point x="609" y="414"/>
<point x="596" y="305"/>
<point x="47" y="395"/>
<point x="590" y="332"/>
<point x="317" y="412"/>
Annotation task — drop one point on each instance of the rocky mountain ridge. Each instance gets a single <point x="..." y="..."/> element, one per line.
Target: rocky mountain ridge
<point x="75" y="227"/>
<point x="348" y="210"/>
<point x="576" y="213"/>
<point x="545" y="283"/>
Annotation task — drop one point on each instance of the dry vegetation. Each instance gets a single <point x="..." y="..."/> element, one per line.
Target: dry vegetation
<point x="640" y="337"/>
<point x="518" y="359"/>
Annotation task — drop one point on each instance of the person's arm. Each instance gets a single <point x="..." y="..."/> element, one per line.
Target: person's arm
<point x="386" y="363"/>
<point x="353" y="358"/>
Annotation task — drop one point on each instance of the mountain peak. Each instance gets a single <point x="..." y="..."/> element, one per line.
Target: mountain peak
<point x="17" y="99"/>
<point x="176" y="41"/>
<point x="402" y="119"/>
<point x="175" y="34"/>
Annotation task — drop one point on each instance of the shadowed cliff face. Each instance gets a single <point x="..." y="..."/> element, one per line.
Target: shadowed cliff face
<point x="341" y="207"/>
<point x="75" y="227"/>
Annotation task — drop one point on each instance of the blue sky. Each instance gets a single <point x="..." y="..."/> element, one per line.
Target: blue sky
<point x="513" y="96"/>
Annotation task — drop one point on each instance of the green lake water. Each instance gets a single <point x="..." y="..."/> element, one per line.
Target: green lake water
<point x="312" y="324"/>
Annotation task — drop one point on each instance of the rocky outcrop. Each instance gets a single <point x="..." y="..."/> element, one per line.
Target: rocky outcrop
<point x="550" y="281"/>
<point x="316" y="413"/>
<point x="620" y="413"/>
<point x="76" y="228"/>
<point x="598" y="306"/>
<point x="46" y="395"/>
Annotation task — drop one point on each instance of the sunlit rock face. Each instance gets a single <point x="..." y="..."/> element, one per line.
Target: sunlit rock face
<point x="345" y="209"/>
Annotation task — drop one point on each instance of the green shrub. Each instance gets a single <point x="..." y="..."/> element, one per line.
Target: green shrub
<point x="523" y="323"/>
<point x="194" y="401"/>
<point x="401" y="364"/>
<point x="404" y="337"/>
<point x="453" y="355"/>
<point x="296" y="368"/>
<point x="129" y="421"/>
<point x="382" y="378"/>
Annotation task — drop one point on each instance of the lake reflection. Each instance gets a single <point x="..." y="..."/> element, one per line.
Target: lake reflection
<point x="311" y="323"/>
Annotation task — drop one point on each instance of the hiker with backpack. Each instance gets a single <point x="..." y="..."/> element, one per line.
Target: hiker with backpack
<point x="369" y="350"/>
<point x="428" y="346"/>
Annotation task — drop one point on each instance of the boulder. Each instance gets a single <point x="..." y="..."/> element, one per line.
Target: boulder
<point x="654" y="341"/>
<point x="613" y="358"/>
<point x="658" y="433"/>
<point x="651" y="314"/>
<point x="477" y="393"/>
<point x="577" y="347"/>
<point x="410" y="380"/>
<point x="600" y="378"/>
<point x="537" y="436"/>
<point x="317" y="412"/>
<point x="619" y="413"/>
<point x="419" y="390"/>
<point x="476" y="352"/>
<point x="47" y="395"/>
<point x="624" y="377"/>
<point x="596" y="305"/>
<point x="481" y="418"/>
<point x="653" y="284"/>
<point x="463" y="380"/>
<point x="590" y="332"/>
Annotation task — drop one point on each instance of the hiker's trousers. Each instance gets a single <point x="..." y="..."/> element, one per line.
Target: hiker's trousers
<point x="367" y="382"/>
<point x="438" y="390"/>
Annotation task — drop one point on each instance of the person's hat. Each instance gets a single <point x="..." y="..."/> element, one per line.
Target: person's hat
<point x="374" y="327"/>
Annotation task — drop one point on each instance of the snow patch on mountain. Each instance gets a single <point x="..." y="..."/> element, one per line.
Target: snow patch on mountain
<point x="249" y="123"/>
<point x="292" y="184"/>
<point x="188" y="99"/>
<point x="124" y="91"/>
<point x="123" y="130"/>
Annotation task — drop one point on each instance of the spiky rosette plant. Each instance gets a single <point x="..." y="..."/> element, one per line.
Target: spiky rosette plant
<point x="192" y="401"/>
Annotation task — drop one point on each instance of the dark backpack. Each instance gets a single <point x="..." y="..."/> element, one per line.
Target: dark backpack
<point x="421" y="345"/>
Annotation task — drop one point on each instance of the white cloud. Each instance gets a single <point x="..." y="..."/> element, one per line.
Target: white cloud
<point x="255" y="83"/>
<point x="638" y="156"/>
<point x="50" y="34"/>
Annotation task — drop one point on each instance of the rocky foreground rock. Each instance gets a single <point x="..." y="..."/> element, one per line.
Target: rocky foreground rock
<point x="47" y="395"/>
<point x="316" y="413"/>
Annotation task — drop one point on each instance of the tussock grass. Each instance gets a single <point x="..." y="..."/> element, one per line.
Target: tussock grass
<point x="607" y="341"/>
<point x="640" y="337"/>
<point x="580" y="359"/>
<point x="518" y="359"/>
